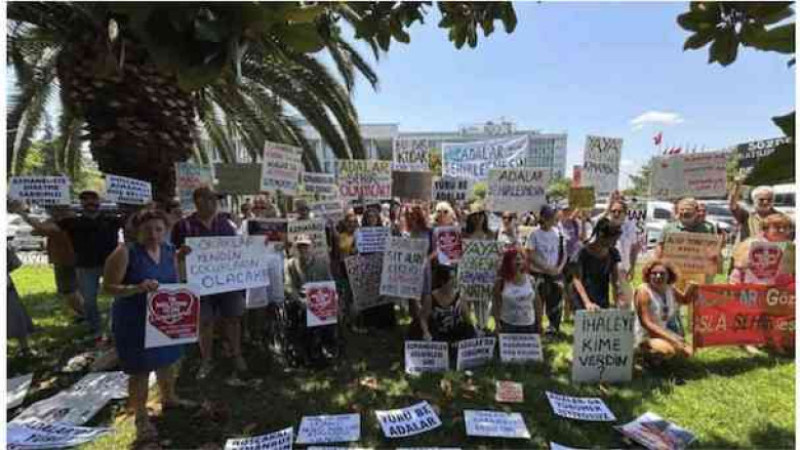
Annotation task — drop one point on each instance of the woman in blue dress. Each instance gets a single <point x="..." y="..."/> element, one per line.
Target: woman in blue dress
<point x="131" y="272"/>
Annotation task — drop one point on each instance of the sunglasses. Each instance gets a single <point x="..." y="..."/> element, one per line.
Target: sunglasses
<point x="658" y="274"/>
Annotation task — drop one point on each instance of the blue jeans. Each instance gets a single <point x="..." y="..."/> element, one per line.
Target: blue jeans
<point x="89" y="285"/>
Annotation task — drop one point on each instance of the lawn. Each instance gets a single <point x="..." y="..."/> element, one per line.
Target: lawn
<point x="727" y="397"/>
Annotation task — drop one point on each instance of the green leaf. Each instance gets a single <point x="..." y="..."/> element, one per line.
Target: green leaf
<point x="785" y="123"/>
<point x="302" y="37"/>
<point x="779" y="39"/>
<point x="509" y="17"/>
<point x="699" y="39"/>
<point x="690" y="21"/>
<point x="724" y="48"/>
<point x="305" y="14"/>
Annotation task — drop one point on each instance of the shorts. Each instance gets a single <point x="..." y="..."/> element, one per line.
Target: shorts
<point x="225" y="304"/>
<point x="66" y="279"/>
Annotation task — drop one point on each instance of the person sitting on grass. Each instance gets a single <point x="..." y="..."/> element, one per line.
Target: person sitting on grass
<point x="444" y="316"/>
<point x="597" y="268"/>
<point x="130" y="273"/>
<point x="659" y="333"/>
<point x="514" y="302"/>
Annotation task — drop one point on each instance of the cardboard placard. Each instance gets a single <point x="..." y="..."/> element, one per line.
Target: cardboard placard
<point x="412" y="185"/>
<point x="474" y="160"/>
<point x="226" y="263"/>
<point x="508" y="392"/>
<point x="279" y="440"/>
<point x="17" y="389"/>
<point x="603" y="346"/>
<point x="475" y="352"/>
<point x="173" y="316"/>
<point x="38" y="434"/>
<point x="495" y="424"/>
<point x="520" y="347"/>
<point x="40" y="190"/>
<point x="372" y="239"/>
<point x="364" y="180"/>
<point x="281" y="167"/>
<point x="238" y="178"/>
<point x="693" y="252"/>
<point x="448" y="244"/>
<point x="424" y="356"/>
<point x="601" y="158"/>
<point x="413" y="155"/>
<point x="581" y="197"/>
<point x="698" y="175"/>
<point x="364" y="273"/>
<point x="319" y="183"/>
<point x="322" y="303"/>
<point x="403" y="265"/>
<point x="409" y="421"/>
<point x="329" y="428"/>
<point x="518" y="190"/>
<point x="591" y="409"/>
<point x="477" y="269"/>
<point x="653" y="432"/>
<point x="450" y="189"/>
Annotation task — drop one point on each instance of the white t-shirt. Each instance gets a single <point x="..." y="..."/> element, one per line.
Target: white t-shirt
<point x="625" y="242"/>
<point x="545" y="245"/>
<point x="517" y="306"/>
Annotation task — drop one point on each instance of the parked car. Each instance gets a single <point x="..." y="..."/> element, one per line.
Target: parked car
<point x="784" y="198"/>
<point x="20" y="234"/>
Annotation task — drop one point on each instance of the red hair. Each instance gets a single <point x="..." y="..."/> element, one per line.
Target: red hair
<point x="508" y="266"/>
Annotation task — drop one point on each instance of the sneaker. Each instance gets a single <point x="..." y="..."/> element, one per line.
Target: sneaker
<point x="204" y="371"/>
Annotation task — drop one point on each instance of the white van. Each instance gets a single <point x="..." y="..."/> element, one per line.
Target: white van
<point x="784" y="198"/>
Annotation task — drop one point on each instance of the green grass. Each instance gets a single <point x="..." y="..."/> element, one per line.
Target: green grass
<point x="729" y="399"/>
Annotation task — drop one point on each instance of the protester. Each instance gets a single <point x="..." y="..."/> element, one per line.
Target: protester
<point x="546" y="256"/>
<point x="131" y="272"/>
<point x="659" y="332"/>
<point x="571" y="228"/>
<point x="627" y="245"/>
<point x="477" y="223"/>
<point x="443" y="317"/>
<point x="226" y="308"/>
<point x="346" y="245"/>
<point x="750" y="224"/>
<point x="172" y="208"/>
<point x="444" y="215"/>
<point x="301" y="209"/>
<point x="18" y="323"/>
<point x="507" y="235"/>
<point x="245" y="211"/>
<point x="381" y="316"/>
<point x="597" y="268"/>
<point x="775" y="228"/>
<point x="514" y="301"/>
<point x="687" y="222"/>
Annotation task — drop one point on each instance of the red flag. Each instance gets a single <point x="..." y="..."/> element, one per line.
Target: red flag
<point x="657" y="139"/>
<point x="677" y="150"/>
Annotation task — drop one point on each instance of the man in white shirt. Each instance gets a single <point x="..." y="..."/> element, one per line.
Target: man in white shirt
<point x="546" y="259"/>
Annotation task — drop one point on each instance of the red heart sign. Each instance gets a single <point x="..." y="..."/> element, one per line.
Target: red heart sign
<point x="174" y="313"/>
<point x="322" y="302"/>
<point x="765" y="261"/>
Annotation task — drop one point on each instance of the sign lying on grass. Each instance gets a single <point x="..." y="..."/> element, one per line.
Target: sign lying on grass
<point x="279" y="440"/>
<point x="693" y="252"/>
<point x="508" y="392"/>
<point x="475" y="159"/>
<point x="477" y="269"/>
<point x="319" y="183"/>
<point x="580" y="408"/>
<point x="521" y="347"/>
<point x="450" y="189"/>
<point x="173" y="316"/>
<point x="495" y="424"/>
<point x="581" y="197"/>
<point x="367" y="180"/>
<point x="65" y="408"/>
<point x="518" y="190"/>
<point x="40" y="190"/>
<point x="601" y="157"/>
<point x="653" y="432"/>
<point x="475" y="352"/>
<point x="403" y="264"/>
<point x="372" y="239"/>
<point x="699" y="175"/>
<point x="410" y="421"/>
<point x="280" y="168"/>
<point x="364" y="273"/>
<point x="412" y="185"/>
<point x="329" y="428"/>
<point x="129" y="191"/>
<point x="412" y="154"/>
<point x="226" y="263"/>
<point x="603" y="346"/>
<point x="448" y="244"/>
<point x="37" y="434"/>
<point x="189" y="177"/>
<point x="113" y="385"/>
<point x="17" y="389"/>
<point x="424" y="356"/>
<point x="744" y="314"/>
<point x="322" y="303"/>
<point x="238" y="178"/>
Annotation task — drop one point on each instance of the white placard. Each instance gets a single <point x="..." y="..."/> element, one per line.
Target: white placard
<point x="37" y="434"/>
<point x="412" y="155"/>
<point x="40" y="190"/>
<point x="329" y="428"/>
<point x="448" y="244"/>
<point x="279" y="440"/>
<point x="450" y="189"/>
<point x="655" y="433"/>
<point x="475" y="352"/>
<point x="425" y="356"/>
<point x="315" y="230"/>
<point x="601" y="158"/>
<point x="260" y="297"/>
<point x="603" y="346"/>
<point x="17" y="389"/>
<point x="477" y="269"/>
<point x="322" y="303"/>
<point x="699" y="175"/>
<point x="65" y="408"/>
<point x="327" y="209"/>
<point x="372" y="239"/>
<point x="364" y="273"/>
<point x="281" y="167"/>
<point x="364" y="180"/>
<point x="319" y="183"/>
<point x="128" y="191"/>
<point x="580" y="408"/>
<point x="409" y="421"/>
<point x="226" y="263"/>
<point x="520" y="347"/>
<point x="637" y="213"/>
<point x="403" y="265"/>
<point x="113" y="385"/>
<point x="495" y="424"/>
<point x="189" y="177"/>
<point x="474" y="160"/>
<point x="509" y="392"/>
<point x="518" y="190"/>
<point x="173" y="316"/>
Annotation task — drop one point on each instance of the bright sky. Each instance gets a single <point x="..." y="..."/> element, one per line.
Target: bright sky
<point x="611" y="69"/>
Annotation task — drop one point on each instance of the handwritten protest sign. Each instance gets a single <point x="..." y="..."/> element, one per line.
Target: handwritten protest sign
<point x="448" y="244"/>
<point x="319" y="183"/>
<point x="475" y="352"/>
<point x="38" y="434"/>
<point x="424" y="356"/>
<point x="508" y="392"/>
<point x="16" y="389"/>
<point x="767" y="260"/>
<point x="601" y="157"/>
<point x="412" y="154"/>
<point x="173" y="316"/>
<point x="580" y="408"/>
<point x="637" y="213"/>
<point x="477" y="269"/>
<point x="329" y="428"/>
<point x="238" y="178"/>
<point x="372" y="239"/>
<point x="40" y="190"/>
<point x="450" y="189"/>
<point x="280" y="168"/>
<point x="260" y="297"/>
<point x="474" y="160"/>
<point x="603" y="346"/>
<point x="581" y="197"/>
<point x="699" y="175"/>
<point x="367" y="180"/>
<point x="655" y="433"/>
<point x="749" y="153"/>
<point x="322" y="303"/>
<point x="226" y="263"/>
<point x="403" y="265"/>
<point x="364" y="273"/>
<point x="327" y="209"/>
<point x="518" y="190"/>
<point x="279" y="440"/>
<point x="744" y="314"/>
<point x="74" y="408"/>
<point x="693" y="252"/>
<point x="129" y="191"/>
<point x="495" y="424"/>
<point x="410" y="421"/>
<point x="189" y="177"/>
<point x="520" y="347"/>
<point x="315" y="230"/>
<point x="412" y="185"/>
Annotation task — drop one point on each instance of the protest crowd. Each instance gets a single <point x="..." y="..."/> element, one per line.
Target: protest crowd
<point x="301" y="275"/>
